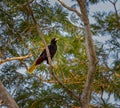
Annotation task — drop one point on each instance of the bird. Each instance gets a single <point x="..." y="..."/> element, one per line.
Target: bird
<point x="43" y="56"/>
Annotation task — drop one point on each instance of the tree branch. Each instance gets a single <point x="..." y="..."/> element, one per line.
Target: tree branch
<point x="48" y="54"/>
<point x="69" y="8"/>
<point x="89" y="50"/>
<point x="102" y="96"/>
<point x="116" y="12"/>
<point x="15" y="58"/>
<point x="5" y="98"/>
<point x="91" y="55"/>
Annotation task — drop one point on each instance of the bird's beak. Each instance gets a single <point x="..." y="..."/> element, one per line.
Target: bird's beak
<point x="56" y="39"/>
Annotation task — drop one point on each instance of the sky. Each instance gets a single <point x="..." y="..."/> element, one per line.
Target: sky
<point x="93" y="8"/>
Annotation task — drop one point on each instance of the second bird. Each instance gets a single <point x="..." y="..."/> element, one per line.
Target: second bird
<point x="43" y="56"/>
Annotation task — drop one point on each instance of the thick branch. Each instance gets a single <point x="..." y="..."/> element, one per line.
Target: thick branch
<point x="15" y="58"/>
<point x="48" y="54"/>
<point x="90" y="52"/>
<point x="69" y="8"/>
<point x="5" y="98"/>
<point x="91" y="55"/>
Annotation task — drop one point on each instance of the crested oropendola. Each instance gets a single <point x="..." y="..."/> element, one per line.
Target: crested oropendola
<point x="43" y="56"/>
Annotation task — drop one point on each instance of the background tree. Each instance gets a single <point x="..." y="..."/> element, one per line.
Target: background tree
<point x="109" y="51"/>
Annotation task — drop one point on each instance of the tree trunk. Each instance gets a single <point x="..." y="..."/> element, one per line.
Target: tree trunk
<point x="5" y="98"/>
<point x="85" y="97"/>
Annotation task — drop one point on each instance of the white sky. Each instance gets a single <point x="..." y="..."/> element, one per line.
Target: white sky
<point x="94" y="8"/>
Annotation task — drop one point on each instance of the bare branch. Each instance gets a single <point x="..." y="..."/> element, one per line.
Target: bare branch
<point x="25" y="65"/>
<point x="102" y="91"/>
<point x="113" y="2"/>
<point x="15" y="58"/>
<point x="69" y="8"/>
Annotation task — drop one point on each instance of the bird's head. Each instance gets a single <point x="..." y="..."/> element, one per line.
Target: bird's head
<point x="54" y="40"/>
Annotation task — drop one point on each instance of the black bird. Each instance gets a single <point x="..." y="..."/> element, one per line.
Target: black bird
<point x="43" y="56"/>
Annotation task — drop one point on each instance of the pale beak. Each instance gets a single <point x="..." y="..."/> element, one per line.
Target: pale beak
<point x="56" y="39"/>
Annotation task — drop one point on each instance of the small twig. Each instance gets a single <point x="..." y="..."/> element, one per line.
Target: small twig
<point x="113" y="2"/>
<point x="102" y="96"/>
<point x="16" y="88"/>
<point x="24" y="64"/>
<point x="69" y="8"/>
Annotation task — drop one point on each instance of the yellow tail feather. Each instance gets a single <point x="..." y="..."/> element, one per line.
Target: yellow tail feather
<point x="32" y="68"/>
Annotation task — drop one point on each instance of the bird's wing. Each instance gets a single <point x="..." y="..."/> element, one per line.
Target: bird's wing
<point x="52" y="49"/>
<point x="41" y="58"/>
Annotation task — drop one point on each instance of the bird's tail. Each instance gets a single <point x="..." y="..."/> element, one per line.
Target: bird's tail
<point x="32" y="68"/>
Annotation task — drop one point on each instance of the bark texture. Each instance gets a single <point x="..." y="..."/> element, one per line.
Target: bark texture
<point x="6" y="98"/>
<point x="91" y="55"/>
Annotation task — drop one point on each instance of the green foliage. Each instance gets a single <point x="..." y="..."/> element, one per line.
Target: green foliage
<point x="107" y="77"/>
<point x="96" y="1"/>
<point x="18" y="37"/>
